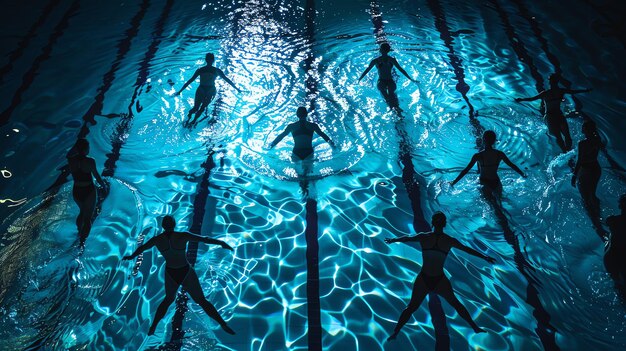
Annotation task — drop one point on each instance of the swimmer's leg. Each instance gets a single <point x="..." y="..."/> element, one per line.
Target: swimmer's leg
<point x="203" y="106"/>
<point x="192" y="286"/>
<point x="555" y="128"/>
<point x="444" y="288"/>
<point x="419" y="293"/>
<point x="566" y="134"/>
<point x="393" y="97"/>
<point x="87" y="207"/>
<point x="171" y="286"/>
<point x="383" y="88"/>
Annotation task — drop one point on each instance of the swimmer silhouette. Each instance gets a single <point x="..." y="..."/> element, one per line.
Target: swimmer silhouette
<point x="435" y="247"/>
<point x="587" y="170"/>
<point x="386" y="84"/>
<point x="557" y="124"/>
<point x="302" y="133"/>
<point x="83" y="169"/>
<point x="488" y="161"/>
<point x="178" y="272"/>
<point x="206" y="91"/>
<point x="615" y="253"/>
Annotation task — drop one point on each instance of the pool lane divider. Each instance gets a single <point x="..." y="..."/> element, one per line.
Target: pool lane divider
<point x="29" y="77"/>
<point x="556" y="64"/>
<point x="123" y="48"/>
<point x="456" y="62"/>
<point x="311" y="231"/>
<point x="412" y="186"/>
<point x="544" y="330"/>
<point x="32" y="32"/>
<point x="520" y="49"/>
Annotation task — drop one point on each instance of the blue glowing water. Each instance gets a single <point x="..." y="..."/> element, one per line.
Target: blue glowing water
<point x="135" y="55"/>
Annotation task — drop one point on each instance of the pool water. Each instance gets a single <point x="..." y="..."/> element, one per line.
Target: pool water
<point x="68" y="63"/>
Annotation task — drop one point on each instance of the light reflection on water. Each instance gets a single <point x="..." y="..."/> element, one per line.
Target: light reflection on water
<point x="255" y="201"/>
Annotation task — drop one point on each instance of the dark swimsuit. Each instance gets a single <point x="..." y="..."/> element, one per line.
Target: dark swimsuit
<point x="554" y="116"/>
<point x="83" y="184"/>
<point x="180" y="273"/>
<point x="303" y="152"/>
<point x="432" y="281"/>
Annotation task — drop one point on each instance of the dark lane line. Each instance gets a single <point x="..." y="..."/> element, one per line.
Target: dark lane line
<point x="123" y="48"/>
<point x="314" y="331"/>
<point x="412" y="186"/>
<point x="556" y="64"/>
<point x="33" y="72"/>
<point x="520" y="49"/>
<point x="545" y="331"/>
<point x="441" y="24"/>
<point x="23" y="44"/>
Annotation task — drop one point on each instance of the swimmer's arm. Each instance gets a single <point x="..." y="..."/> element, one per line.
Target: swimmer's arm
<point x="369" y="68"/>
<point x="203" y="239"/>
<point x="96" y="175"/>
<point x="221" y="74"/>
<point x="141" y="249"/>
<point x="576" y="167"/>
<point x="191" y="80"/>
<point x="512" y="165"/>
<point x="457" y="245"/>
<point x="403" y="239"/>
<point x="317" y="130"/>
<point x="467" y="169"/>
<point x="395" y="63"/>
<point x="532" y="98"/>
<point x="280" y="136"/>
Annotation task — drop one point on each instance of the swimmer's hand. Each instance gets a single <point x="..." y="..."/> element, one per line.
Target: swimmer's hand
<point x="128" y="257"/>
<point x="226" y="246"/>
<point x="177" y="93"/>
<point x="490" y="259"/>
<point x="415" y="80"/>
<point x="390" y="240"/>
<point x="519" y="99"/>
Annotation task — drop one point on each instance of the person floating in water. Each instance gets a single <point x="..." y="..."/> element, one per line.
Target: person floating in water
<point x="386" y="84"/>
<point x="557" y="124"/>
<point x="587" y="170"/>
<point x="178" y="272"/>
<point x="83" y="170"/>
<point x="488" y="161"/>
<point x="302" y="133"/>
<point x="206" y="91"/>
<point x="431" y="279"/>
<point x="615" y="253"/>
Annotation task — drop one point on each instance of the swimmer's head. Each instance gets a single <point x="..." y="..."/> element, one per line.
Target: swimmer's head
<point x="302" y="112"/>
<point x="210" y="58"/>
<point x="554" y="79"/>
<point x="385" y="48"/>
<point x="82" y="146"/>
<point x="438" y="220"/>
<point x="489" y="137"/>
<point x="168" y="223"/>
<point x="589" y="129"/>
<point x="622" y="203"/>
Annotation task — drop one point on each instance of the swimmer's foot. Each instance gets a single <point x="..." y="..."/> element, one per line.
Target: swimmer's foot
<point x="228" y="329"/>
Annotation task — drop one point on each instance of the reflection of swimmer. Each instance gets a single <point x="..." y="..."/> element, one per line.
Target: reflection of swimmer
<point x="178" y="272"/>
<point x="386" y="84"/>
<point x="587" y="170"/>
<point x="488" y="161"/>
<point x="302" y="133"/>
<point x="206" y="91"/>
<point x="557" y="124"/>
<point x="435" y="247"/>
<point x="615" y="255"/>
<point x="83" y="169"/>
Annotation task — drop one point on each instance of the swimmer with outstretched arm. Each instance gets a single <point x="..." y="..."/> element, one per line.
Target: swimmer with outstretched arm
<point x="302" y="133"/>
<point x="178" y="271"/>
<point x="385" y="64"/>
<point x="431" y="279"/>
<point x="488" y="162"/>
<point x="206" y="91"/>
<point x="552" y="97"/>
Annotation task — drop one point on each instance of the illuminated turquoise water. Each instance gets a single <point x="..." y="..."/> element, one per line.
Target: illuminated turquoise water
<point x="51" y="295"/>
